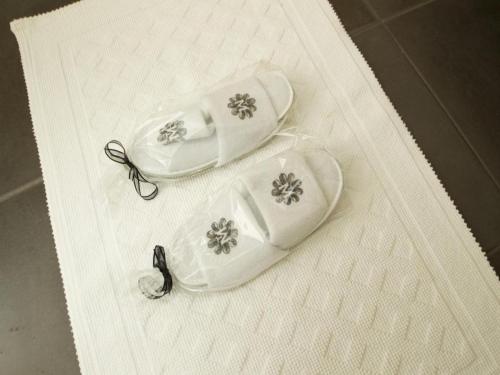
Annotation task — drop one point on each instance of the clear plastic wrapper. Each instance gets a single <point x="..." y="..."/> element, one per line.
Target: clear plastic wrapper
<point x="205" y="129"/>
<point x="250" y="223"/>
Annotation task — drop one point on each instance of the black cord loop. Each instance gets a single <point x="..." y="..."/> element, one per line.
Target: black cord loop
<point x="118" y="155"/>
<point x="160" y="262"/>
<point x="150" y="285"/>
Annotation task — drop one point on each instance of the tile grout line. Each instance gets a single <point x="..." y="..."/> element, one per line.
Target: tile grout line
<point x="379" y="20"/>
<point x="397" y="14"/>
<point x="426" y="83"/>
<point x="493" y="250"/>
<point x="401" y="12"/>
<point x="20" y="189"/>
<point x="365" y="28"/>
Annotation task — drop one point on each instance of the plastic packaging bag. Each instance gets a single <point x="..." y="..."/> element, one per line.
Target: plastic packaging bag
<point x="250" y="223"/>
<point x="206" y="129"/>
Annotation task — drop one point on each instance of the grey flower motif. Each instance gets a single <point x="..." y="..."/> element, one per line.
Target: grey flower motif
<point x="172" y="132"/>
<point x="242" y="105"/>
<point x="287" y="189"/>
<point x="222" y="237"/>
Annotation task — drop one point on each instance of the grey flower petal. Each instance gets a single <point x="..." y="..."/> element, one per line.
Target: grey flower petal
<point x="226" y="248"/>
<point x="282" y="179"/>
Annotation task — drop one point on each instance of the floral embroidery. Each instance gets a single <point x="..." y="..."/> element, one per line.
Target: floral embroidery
<point x="287" y="189"/>
<point x="222" y="237"/>
<point x="242" y="105"/>
<point x="172" y="132"/>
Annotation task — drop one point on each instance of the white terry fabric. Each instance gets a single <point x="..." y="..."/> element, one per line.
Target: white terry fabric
<point x="287" y="225"/>
<point x="239" y="136"/>
<point x="195" y="123"/>
<point x="394" y="283"/>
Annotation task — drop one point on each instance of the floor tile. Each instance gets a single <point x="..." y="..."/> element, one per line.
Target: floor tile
<point x="389" y="8"/>
<point x="469" y="186"/>
<point x="494" y="259"/>
<point x="17" y="145"/>
<point x="12" y="9"/>
<point x="35" y="336"/>
<point x="455" y="45"/>
<point x="353" y="13"/>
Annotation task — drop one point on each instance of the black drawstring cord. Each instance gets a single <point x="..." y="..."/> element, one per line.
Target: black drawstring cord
<point x="148" y="284"/>
<point x="160" y="262"/>
<point x="119" y="155"/>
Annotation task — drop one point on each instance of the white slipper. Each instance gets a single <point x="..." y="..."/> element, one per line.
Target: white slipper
<point x="250" y="225"/>
<point x="225" y="125"/>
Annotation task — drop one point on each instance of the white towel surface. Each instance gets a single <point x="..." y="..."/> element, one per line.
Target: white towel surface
<point x="393" y="283"/>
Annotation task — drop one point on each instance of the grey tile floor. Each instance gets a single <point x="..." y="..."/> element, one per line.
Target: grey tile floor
<point x="438" y="61"/>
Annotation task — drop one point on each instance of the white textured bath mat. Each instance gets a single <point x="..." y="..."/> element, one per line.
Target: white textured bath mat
<point x="394" y="285"/>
